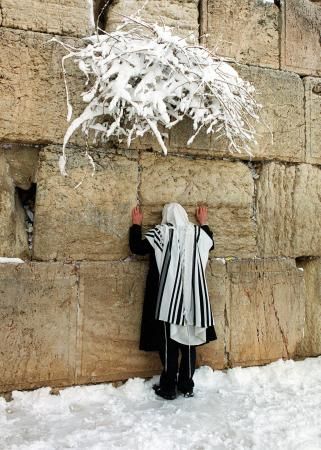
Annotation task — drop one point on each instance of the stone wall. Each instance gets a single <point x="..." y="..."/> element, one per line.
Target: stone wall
<point x="71" y="312"/>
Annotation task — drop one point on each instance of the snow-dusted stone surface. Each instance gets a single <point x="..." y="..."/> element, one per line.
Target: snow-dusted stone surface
<point x="4" y="260"/>
<point x="271" y="407"/>
<point x="267" y="310"/>
<point x="13" y="237"/>
<point x="38" y="325"/>
<point x="247" y="30"/>
<point x="281" y="130"/>
<point x="72" y="17"/>
<point x="88" y="222"/>
<point x="182" y="15"/>
<point x="111" y="299"/>
<point x="32" y="91"/>
<point x="227" y="188"/>
<point x="289" y="210"/>
<point x="313" y="118"/>
<point x="300" y="41"/>
<point x="311" y="344"/>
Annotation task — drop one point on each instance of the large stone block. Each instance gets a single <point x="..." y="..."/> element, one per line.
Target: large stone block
<point x="32" y="91"/>
<point x="247" y="30"/>
<point x="227" y="188"/>
<point x="280" y="131"/>
<point x="90" y="221"/>
<point x="300" y="42"/>
<point x="313" y="119"/>
<point x="111" y="299"/>
<point x="13" y="236"/>
<point x="267" y="309"/>
<point x="71" y="17"/>
<point x="38" y="325"/>
<point x="216" y="354"/>
<point x="289" y="210"/>
<point x="311" y="343"/>
<point x="181" y="15"/>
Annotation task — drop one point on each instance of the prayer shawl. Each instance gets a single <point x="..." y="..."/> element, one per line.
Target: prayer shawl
<point x="181" y="252"/>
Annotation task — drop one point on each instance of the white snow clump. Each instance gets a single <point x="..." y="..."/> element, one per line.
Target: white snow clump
<point x="141" y="78"/>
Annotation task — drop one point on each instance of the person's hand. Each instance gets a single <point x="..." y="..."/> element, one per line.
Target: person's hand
<point x="201" y="214"/>
<point x="137" y="216"/>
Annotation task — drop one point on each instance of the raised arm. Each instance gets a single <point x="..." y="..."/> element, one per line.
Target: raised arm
<point x="137" y="245"/>
<point x="202" y="218"/>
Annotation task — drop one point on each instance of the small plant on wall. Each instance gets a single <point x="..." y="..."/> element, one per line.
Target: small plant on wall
<point x="141" y="78"/>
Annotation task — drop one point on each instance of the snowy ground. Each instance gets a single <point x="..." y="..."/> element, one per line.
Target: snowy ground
<point x="273" y="407"/>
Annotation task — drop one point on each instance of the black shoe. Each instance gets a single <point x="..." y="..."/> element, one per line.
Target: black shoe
<point x="167" y="395"/>
<point x="187" y="393"/>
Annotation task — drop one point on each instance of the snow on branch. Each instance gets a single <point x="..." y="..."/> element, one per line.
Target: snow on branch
<point x="142" y="78"/>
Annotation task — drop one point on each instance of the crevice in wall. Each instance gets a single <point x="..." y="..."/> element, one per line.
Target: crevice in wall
<point x="27" y="198"/>
<point x="300" y="261"/>
<point x="101" y="8"/>
<point x="283" y="335"/>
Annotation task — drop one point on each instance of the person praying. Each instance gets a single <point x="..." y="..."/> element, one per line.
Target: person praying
<point x="177" y="313"/>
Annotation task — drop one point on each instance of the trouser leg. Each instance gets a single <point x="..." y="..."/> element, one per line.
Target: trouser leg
<point x="187" y="368"/>
<point x="169" y="356"/>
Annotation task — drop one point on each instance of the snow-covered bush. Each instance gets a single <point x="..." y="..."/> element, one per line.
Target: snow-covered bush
<point x="141" y="78"/>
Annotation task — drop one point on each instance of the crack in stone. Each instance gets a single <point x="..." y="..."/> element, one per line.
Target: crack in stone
<point x="284" y="339"/>
<point x="227" y="360"/>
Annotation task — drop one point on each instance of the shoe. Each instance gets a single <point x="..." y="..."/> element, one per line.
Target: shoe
<point x="187" y="394"/>
<point x="167" y="395"/>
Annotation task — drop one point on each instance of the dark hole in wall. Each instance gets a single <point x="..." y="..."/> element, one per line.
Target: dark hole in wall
<point x="27" y="199"/>
<point x="101" y="11"/>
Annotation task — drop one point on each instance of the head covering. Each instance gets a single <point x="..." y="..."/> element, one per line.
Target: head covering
<point x="174" y="214"/>
<point x="181" y="252"/>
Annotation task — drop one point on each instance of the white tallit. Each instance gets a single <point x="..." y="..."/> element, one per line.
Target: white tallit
<point x="181" y="252"/>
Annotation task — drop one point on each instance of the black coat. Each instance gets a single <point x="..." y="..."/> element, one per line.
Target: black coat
<point x="151" y="328"/>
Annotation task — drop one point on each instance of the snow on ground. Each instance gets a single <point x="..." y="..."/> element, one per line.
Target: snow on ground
<point x="273" y="407"/>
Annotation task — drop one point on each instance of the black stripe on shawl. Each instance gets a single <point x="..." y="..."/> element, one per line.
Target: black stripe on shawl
<point x="180" y="321"/>
<point x="207" y="300"/>
<point x="201" y="299"/>
<point x="193" y="271"/>
<point x="177" y="303"/>
<point x="164" y="273"/>
<point x="174" y="294"/>
<point x="155" y="238"/>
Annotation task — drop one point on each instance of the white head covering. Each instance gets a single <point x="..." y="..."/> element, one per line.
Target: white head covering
<point x="175" y="214"/>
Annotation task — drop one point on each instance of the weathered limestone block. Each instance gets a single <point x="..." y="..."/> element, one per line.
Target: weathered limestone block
<point x="289" y="210"/>
<point x="89" y="221"/>
<point x="227" y="188"/>
<point x="313" y="119"/>
<point x="111" y="299"/>
<point x="267" y="309"/>
<point x="311" y="343"/>
<point x="181" y="15"/>
<point x="247" y="30"/>
<point x="72" y="17"/>
<point x="216" y="353"/>
<point x="32" y="91"/>
<point x="23" y="162"/>
<point x="13" y="236"/>
<point x="300" y="42"/>
<point x="38" y="325"/>
<point x="281" y="130"/>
